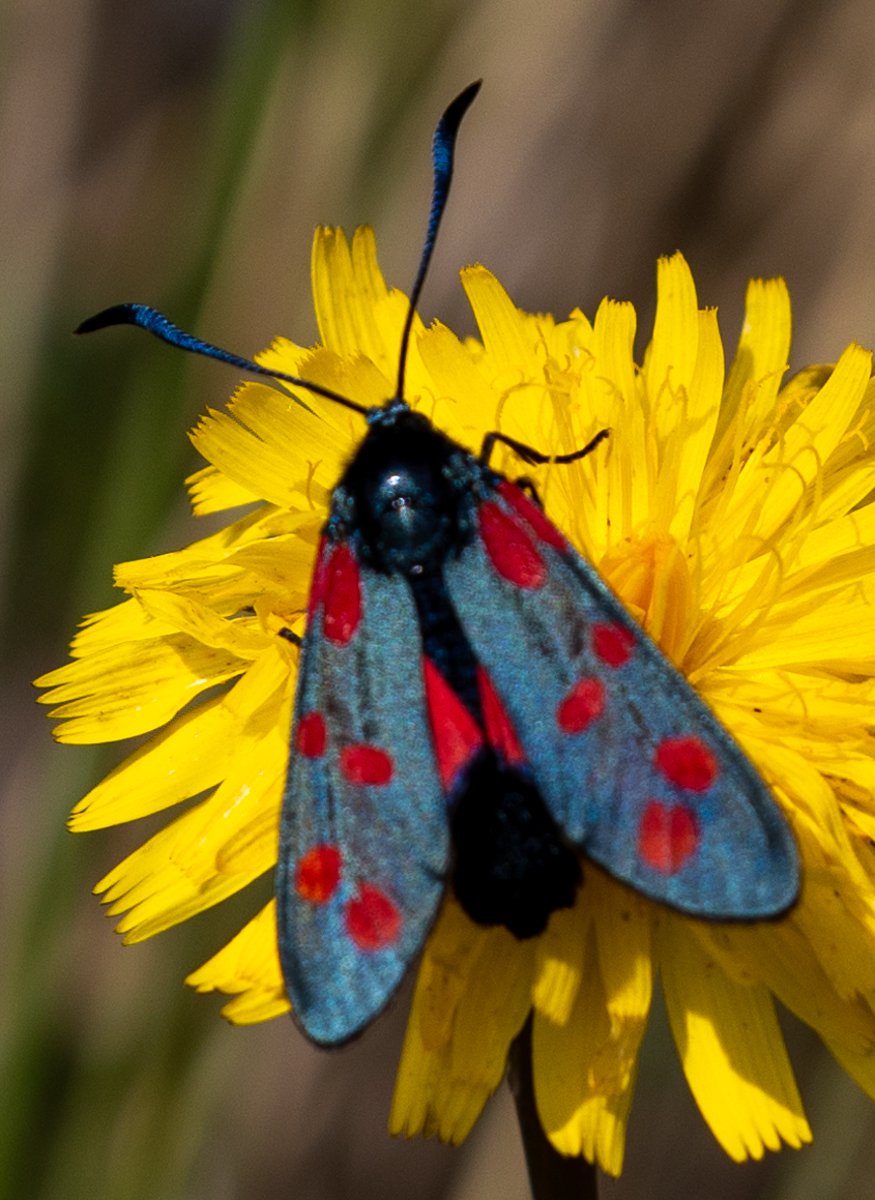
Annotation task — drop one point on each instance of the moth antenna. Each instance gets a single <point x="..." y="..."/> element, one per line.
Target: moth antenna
<point x="156" y="323"/>
<point x="442" y="154"/>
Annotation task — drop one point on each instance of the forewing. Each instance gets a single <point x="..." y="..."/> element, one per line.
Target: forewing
<point x="363" y="840"/>
<point x="631" y="762"/>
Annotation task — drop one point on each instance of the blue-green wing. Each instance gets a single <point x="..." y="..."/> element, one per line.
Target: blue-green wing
<point x="632" y="764"/>
<point x="363" y="843"/>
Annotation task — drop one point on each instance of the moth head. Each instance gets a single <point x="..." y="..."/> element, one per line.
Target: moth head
<point x="403" y="495"/>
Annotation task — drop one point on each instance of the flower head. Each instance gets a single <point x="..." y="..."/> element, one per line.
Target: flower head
<point x="731" y="514"/>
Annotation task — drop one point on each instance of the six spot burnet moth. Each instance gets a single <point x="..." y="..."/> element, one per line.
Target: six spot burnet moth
<point x="474" y="703"/>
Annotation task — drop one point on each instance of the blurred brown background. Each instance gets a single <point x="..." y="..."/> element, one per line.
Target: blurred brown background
<point x="181" y="153"/>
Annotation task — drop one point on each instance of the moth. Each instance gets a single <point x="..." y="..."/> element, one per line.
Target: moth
<point x="476" y="709"/>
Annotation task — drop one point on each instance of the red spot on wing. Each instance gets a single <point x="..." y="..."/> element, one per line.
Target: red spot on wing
<point x="372" y="919"/>
<point x="343" y="595"/>
<point x="667" y="836"/>
<point x="533" y="516"/>
<point x="499" y="730"/>
<point x="584" y="704"/>
<point x="613" y="643"/>
<point x="455" y="733"/>
<point x="317" y="584"/>
<point x="363" y="764"/>
<point x="311" y="735"/>
<point x="510" y="549"/>
<point x="318" y="874"/>
<point x="687" y="762"/>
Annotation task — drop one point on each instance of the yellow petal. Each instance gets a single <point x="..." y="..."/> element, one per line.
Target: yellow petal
<point x="816" y="638"/>
<point x="765" y="709"/>
<point x="671" y="357"/>
<point x="355" y="311"/>
<point x="613" y="396"/>
<point x="277" y="468"/>
<point x="203" y="562"/>
<point x="451" y="955"/>
<point x="761" y="356"/>
<point x="283" y="565"/>
<point x="775" y="482"/>
<point x="731" y="1049"/>
<point x="125" y="622"/>
<point x="247" y="968"/>
<point x="622" y="924"/>
<point x="585" y="1052"/>
<point x="132" y="689"/>
<point x="845" y="488"/>
<point x="860" y="1066"/>
<point x="472" y="997"/>
<point x="777" y="955"/>
<point x="506" y="332"/>
<point x="854" y="531"/>
<point x="187" y="757"/>
<point x="179" y="871"/>
<point x="559" y="963"/>
<point x="211" y="491"/>
<point x="192" y="754"/>
<point x="698" y="420"/>
<point x="584" y="1072"/>
<point x="242" y="637"/>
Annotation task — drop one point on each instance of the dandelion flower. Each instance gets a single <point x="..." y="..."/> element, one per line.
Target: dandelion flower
<point x="732" y="515"/>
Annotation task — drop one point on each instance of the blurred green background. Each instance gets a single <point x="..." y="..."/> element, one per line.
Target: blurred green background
<point x="181" y="153"/>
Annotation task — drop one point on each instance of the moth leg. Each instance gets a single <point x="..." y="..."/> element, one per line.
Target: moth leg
<point x="527" y="485"/>
<point x="287" y="633"/>
<point x="536" y="457"/>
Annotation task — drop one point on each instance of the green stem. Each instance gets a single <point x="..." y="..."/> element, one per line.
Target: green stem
<point x="552" y="1176"/>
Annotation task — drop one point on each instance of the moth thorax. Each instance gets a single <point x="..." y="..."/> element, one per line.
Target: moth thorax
<point x="405" y="500"/>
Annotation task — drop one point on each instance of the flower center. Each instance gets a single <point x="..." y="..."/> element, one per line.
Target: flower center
<point x="651" y="575"/>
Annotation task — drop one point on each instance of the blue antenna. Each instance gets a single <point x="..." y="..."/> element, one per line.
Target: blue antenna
<point x="443" y="148"/>
<point x="154" y="322"/>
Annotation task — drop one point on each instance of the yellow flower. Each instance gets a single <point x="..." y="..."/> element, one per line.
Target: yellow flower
<point x="729" y="512"/>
